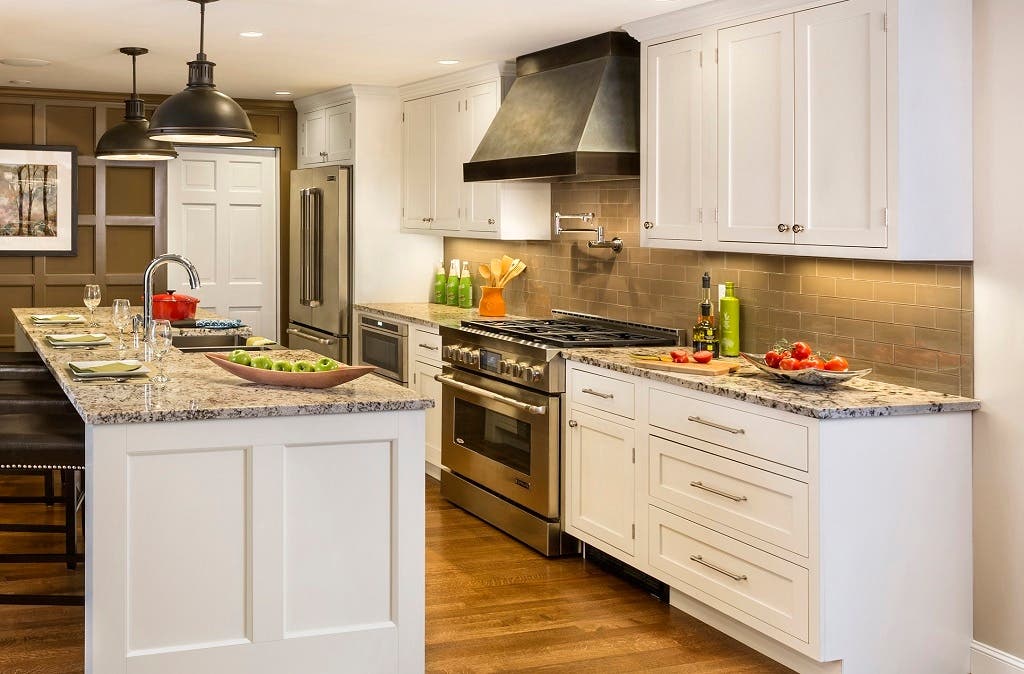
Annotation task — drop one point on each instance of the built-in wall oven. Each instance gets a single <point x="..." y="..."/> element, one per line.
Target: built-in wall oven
<point x="382" y="344"/>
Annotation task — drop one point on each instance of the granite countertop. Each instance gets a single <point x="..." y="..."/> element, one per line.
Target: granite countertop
<point x="857" y="398"/>
<point x="103" y="317"/>
<point x="426" y="314"/>
<point x="199" y="390"/>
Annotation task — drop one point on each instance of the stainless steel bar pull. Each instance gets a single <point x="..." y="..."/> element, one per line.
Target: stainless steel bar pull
<point x="312" y="338"/>
<point x="490" y="395"/>
<point x="599" y="394"/>
<point x="312" y="252"/>
<point x="700" y="485"/>
<point x="715" y="567"/>
<point x="712" y="424"/>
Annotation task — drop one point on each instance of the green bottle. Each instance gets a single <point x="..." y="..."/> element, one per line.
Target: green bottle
<point x="729" y="321"/>
<point x="439" y="283"/>
<point x="451" y="286"/>
<point x="465" y="288"/>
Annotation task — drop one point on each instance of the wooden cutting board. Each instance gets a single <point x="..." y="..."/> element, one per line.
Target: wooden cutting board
<point x="713" y="369"/>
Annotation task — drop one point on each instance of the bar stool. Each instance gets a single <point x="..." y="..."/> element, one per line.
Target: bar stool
<point x="41" y="441"/>
<point x="23" y="365"/>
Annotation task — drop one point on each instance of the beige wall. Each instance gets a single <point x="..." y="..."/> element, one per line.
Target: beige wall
<point x="912" y="323"/>
<point x="999" y="246"/>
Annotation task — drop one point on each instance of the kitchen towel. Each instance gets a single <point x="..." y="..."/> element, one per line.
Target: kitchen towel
<point x="218" y="324"/>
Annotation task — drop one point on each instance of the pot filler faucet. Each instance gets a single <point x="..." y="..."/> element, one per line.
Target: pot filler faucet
<point x="147" y="283"/>
<point x="615" y="244"/>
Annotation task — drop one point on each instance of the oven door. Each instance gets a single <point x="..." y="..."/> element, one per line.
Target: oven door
<point x="383" y="349"/>
<point x="503" y="438"/>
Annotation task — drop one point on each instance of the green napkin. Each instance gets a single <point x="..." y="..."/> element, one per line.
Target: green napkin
<point x="77" y="338"/>
<point x="56" y="318"/>
<point x="112" y="367"/>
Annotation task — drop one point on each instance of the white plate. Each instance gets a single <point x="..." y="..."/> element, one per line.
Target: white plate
<point x="93" y="363"/>
<point x="55" y="340"/>
<point x="44" y="319"/>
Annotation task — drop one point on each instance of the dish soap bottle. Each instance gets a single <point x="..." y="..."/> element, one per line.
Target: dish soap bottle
<point x="451" y="288"/>
<point x="439" y="283"/>
<point x="729" y="320"/>
<point x="705" y="335"/>
<point x="466" y="288"/>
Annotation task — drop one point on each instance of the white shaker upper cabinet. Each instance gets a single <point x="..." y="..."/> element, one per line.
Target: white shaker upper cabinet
<point x="313" y="132"/>
<point x="841" y="125"/>
<point x="755" y="131"/>
<point x="339" y="132"/>
<point x="673" y="170"/>
<point x="481" y="208"/>
<point x="417" y="159"/>
<point x="447" y="167"/>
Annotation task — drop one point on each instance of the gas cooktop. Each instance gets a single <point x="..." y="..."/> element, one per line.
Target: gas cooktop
<point x="570" y="333"/>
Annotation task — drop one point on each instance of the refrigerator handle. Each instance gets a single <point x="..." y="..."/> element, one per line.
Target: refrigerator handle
<point x="311" y="234"/>
<point x="317" y="296"/>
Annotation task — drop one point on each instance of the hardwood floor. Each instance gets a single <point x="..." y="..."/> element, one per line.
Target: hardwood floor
<point x="493" y="605"/>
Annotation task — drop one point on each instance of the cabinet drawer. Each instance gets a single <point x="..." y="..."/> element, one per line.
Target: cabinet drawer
<point x="604" y="393"/>
<point x="746" y="432"/>
<point x="425" y="345"/>
<point x="770" y="507"/>
<point x="758" y="585"/>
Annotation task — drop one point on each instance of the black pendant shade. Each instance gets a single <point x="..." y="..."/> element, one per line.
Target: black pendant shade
<point x="200" y="113"/>
<point x="129" y="140"/>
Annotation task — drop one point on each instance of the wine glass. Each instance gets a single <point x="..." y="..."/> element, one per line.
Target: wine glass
<point x="121" y="314"/>
<point x="91" y="297"/>
<point x="158" y="337"/>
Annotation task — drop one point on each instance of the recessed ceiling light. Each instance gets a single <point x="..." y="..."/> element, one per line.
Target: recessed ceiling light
<point x="24" y="63"/>
<point x="448" y="62"/>
<point x="251" y="33"/>
<point x="19" y="82"/>
<point x="282" y="93"/>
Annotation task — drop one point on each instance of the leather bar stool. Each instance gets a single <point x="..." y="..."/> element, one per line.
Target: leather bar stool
<point x="23" y="365"/>
<point x="40" y="441"/>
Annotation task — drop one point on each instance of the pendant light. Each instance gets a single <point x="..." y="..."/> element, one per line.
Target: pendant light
<point x="128" y="141"/>
<point x="200" y="113"/>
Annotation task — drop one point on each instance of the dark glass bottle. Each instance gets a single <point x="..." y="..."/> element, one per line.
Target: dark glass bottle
<point x="705" y="333"/>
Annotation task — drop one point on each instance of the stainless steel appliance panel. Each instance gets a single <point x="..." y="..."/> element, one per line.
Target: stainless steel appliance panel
<point x="302" y="337"/>
<point x="382" y="344"/>
<point x="503" y="438"/>
<point x="319" y="238"/>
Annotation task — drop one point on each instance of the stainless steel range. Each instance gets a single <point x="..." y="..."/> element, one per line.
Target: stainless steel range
<point x="501" y="409"/>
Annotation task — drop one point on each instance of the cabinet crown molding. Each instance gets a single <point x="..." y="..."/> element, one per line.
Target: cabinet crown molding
<point x="707" y="14"/>
<point x="457" y="80"/>
<point x="341" y="95"/>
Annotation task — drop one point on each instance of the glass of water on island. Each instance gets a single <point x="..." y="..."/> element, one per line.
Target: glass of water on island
<point x="91" y="297"/>
<point x="158" y="337"/>
<point x="121" y="315"/>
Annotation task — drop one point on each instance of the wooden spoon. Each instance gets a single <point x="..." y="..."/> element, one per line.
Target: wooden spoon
<point x="485" y="272"/>
<point x="518" y="268"/>
<point x="506" y="264"/>
<point x="496" y="269"/>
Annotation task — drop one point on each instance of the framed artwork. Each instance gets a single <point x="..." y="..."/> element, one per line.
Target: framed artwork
<point x="38" y="199"/>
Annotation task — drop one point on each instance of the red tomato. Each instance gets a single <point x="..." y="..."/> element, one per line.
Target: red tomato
<point x="680" y="357"/>
<point x="837" y="364"/>
<point x="788" y="364"/>
<point x="703" y="356"/>
<point x="801" y="350"/>
<point x="772" y="358"/>
<point x="816" y="362"/>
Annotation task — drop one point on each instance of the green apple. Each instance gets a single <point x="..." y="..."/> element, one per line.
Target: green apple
<point x="282" y="366"/>
<point x="304" y="366"/>
<point x="240" y="356"/>
<point x="261" y="362"/>
<point x="326" y="364"/>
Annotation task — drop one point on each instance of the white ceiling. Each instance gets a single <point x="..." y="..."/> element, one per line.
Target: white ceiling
<point x="308" y="45"/>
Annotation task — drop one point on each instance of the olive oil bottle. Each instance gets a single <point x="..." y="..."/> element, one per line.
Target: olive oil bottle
<point x="705" y="333"/>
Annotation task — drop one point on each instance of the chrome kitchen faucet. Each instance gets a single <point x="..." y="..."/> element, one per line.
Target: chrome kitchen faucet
<point x="147" y="283"/>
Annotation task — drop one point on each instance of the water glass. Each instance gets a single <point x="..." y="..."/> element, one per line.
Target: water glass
<point x="121" y="314"/>
<point x="91" y="297"/>
<point x="158" y="337"/>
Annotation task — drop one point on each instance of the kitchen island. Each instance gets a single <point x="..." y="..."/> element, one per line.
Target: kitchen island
<point x="233" y="527"/>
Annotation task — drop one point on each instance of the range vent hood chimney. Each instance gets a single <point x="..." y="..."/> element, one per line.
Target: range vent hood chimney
<point x="572" y="114"/>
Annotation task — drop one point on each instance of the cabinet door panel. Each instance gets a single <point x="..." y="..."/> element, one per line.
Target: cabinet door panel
<point x="313" y="138"/>
<point x="755" y="126"/>
<point x="339" y="132"/>
<point x="447" y="165"/>
<point x="417" y="161"/>
<point x="674" y="139"/>
<point x="428" y="387"/>
<point x="840" y="124"/>
<point x="480" y="208"/>
<point x="601" y="490"/>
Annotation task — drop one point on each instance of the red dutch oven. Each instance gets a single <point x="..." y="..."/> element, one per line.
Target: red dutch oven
<point x="174" y="307"/>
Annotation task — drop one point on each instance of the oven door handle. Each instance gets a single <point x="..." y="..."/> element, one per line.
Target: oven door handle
<point x="446" y="380"/>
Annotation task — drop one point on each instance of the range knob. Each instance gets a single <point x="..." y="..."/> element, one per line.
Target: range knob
<point x="534" y="375"/>
<point x="505" y="367"/>
<point x="472" y="357"/>
<point x="517" y="369"/>
<point x="446" y="352"/>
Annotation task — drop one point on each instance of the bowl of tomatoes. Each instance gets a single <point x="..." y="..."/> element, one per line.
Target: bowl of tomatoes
<point x="798" y="362"/>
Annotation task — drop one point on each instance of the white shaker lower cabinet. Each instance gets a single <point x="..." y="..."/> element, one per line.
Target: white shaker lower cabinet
<point x="424" y="364"/>
<point x="833" y="545"/>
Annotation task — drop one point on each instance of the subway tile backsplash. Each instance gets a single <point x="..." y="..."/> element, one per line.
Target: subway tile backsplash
<point x="911" y="322"/>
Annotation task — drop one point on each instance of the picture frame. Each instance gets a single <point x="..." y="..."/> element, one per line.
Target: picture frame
<point x="38" y="200"/>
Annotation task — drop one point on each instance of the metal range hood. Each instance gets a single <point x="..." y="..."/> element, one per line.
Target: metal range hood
<point x="572" y="114"/>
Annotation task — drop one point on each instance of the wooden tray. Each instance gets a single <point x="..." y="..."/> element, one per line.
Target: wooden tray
<point x="344" y="374"/>
<point x="713" y="369"/>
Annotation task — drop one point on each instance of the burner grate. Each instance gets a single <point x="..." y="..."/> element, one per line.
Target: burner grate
<point x="569" y="333"/>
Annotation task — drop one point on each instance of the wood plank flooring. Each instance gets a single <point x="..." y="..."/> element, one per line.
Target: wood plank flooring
<point x="493" y="605"/>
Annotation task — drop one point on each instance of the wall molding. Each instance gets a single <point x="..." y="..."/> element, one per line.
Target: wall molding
<point x="457" y="80"/>
<point x="988" y="660"/>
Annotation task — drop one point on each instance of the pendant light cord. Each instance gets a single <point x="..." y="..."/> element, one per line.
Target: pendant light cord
<point x="134" y="89"/>
<point x="202" y="28"/>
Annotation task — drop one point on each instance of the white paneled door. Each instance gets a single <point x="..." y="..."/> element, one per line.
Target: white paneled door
<point x="223" y="215"/>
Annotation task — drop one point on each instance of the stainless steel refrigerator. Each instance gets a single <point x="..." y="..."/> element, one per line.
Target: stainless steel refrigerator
<point x="320" y="261"/>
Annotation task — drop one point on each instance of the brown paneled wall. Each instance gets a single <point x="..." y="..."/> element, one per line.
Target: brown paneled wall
<point x="122" y="207"/>
<point x="911" y="322"/>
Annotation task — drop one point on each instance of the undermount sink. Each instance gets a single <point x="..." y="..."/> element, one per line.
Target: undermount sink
<point x="205" y="343"/>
